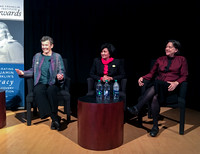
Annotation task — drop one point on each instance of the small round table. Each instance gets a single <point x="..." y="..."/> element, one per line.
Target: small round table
<point x="100" y="124"/>
<point x="2" y="109"/>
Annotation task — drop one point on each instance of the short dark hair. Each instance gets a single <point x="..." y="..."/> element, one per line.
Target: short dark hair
<point x="176" y="45"/>
<point x="110" y="48"/>
<point x="46" y="38"/>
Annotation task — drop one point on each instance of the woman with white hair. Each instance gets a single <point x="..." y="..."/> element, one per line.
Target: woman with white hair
<point x="11" y="51"/>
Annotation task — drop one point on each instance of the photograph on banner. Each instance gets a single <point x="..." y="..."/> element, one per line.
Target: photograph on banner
<point x="12" y="52"/>
<point x="11" y="42"/>
<point x="12" y="57"/>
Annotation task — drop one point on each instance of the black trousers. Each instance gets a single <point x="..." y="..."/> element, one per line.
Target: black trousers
<point x="46" y="99"/>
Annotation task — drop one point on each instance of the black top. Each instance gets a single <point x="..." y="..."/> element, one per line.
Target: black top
<point x="115" y="69"/>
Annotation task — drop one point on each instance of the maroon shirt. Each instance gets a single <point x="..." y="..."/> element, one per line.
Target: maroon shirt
<point x="178" y="70"/>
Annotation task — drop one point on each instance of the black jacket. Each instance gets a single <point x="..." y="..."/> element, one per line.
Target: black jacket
<point x="115" y="69"/>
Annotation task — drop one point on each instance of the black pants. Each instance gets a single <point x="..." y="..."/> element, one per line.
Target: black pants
<point x="46" y="100"/>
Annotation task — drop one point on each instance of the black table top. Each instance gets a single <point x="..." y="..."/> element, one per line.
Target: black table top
<point x="92" y="99"/>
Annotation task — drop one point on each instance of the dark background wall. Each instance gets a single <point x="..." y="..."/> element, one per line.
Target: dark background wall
<point x="138" y="29"/>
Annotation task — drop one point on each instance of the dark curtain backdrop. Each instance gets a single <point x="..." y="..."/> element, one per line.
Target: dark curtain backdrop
<point x="137" y="28"/>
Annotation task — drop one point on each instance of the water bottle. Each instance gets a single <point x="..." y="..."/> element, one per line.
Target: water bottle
<point x="99" y="90"/>
<point x="106" y="91"/>
<point x="116" y="90"/>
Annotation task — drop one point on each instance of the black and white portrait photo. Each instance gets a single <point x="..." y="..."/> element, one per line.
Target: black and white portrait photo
<point x="11" y="51"/>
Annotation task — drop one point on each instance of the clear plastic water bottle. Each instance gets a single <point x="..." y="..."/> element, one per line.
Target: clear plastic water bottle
<point x="99" y="90"/>
<point x="106" y="91"/>
<point x="116" y="90"/>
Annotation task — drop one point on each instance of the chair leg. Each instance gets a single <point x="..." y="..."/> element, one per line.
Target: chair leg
<point x="67" y="109"/>
<point x="124" y="98"/>
<point x="68" y="118"/>
<point x="28" y="113"/>
<point x="35" y="111"/>
<point x="182" y="120"/>
<point x="140" y="119"/>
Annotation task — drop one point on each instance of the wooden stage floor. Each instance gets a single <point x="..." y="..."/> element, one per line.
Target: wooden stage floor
<point x="18" y="138"/>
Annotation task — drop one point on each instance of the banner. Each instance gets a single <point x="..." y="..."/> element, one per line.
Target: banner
<point x="12" y="51"/>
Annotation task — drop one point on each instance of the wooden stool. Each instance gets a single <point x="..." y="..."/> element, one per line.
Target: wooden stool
<point x="2" y="109"/>
<point x="100" y="125"/>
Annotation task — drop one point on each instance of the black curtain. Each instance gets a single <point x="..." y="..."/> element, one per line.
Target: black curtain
<point x="138" y="29"/>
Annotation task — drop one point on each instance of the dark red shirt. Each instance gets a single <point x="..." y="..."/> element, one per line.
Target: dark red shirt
<point x="178" y="70"/>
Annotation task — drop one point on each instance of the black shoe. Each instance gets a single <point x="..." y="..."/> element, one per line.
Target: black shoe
<point x="133" y="110"/>
<point x="57" y="125"/>
<point x="53" y="127"/>
<point x="154" y="132"/>
<point x="58" y="119"/>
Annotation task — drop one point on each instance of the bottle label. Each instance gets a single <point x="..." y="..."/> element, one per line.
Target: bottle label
<point x="116" y="92"/>
<point x="99" y="93"/>
<point x="106" y="93"/>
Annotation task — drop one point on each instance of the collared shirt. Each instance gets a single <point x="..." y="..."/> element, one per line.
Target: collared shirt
<point x="178" y="70"/>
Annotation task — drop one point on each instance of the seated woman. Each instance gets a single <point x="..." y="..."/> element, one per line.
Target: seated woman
<point x="107" y="67"/>
<point x="170" y="70"/>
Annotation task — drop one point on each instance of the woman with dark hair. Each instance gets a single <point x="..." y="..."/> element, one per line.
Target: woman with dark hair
<point x="107" y="67"/>
<point x="170" y="71"/>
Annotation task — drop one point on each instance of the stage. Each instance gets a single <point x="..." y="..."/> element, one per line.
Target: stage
<point x="17" y="137"/>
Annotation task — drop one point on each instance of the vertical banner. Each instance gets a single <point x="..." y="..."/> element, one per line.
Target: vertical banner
<point x="12" y="51"/>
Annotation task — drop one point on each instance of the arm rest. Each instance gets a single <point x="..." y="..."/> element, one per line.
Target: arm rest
<point x="182" y="94"/>
<point x="29" y="82"/>
<point x="183" y="89"/>
<point x="123" y="84"/>
<point x="90" y="82"/>
<point x="67" y="83"/>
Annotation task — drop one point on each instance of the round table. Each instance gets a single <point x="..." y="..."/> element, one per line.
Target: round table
<point x="100" y="124"/>
<point x="2" y="109"/>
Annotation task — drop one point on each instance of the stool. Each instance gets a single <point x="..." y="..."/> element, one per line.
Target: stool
<point x="100" y="125"/>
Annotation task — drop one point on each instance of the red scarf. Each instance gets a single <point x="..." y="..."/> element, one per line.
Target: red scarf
<point x="106" y="62"/>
